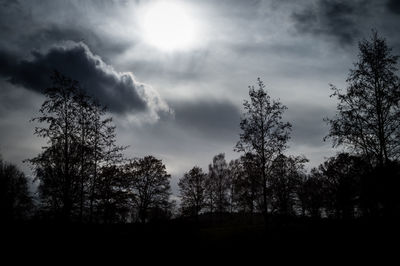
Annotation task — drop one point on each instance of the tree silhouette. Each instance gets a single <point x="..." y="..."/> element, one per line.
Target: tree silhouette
<point x="286" y="174"/>
<point x="235" y="172"/>
<point x="367" y="118"/>
<point x="15" y="199"/>
<point x="104" y="154"/>
<point x="84" y="119"/>
<point x="263" y="133"/>
<point x="79" y="142"/>
<point x="112" y="202"/>
<point x="149" y="185"/>
<point x="192" y="190"/>
<point x="342" y="175"/>
<point x="247" y="183"/>
<point x="56" y="167"/>
<point x="217" y="184"/>
<point x="311" y="194"/>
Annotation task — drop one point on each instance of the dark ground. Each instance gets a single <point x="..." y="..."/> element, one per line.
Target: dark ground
<point x="231" y="238"/>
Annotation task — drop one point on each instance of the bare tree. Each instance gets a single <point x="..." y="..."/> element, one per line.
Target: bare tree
<point x="342" y="175"/>
<point x="56" y="167"/>
<point x="15" y="200"/>
<point x="247" y="183"/>
<point x="105" y="153"/>
<point x="263" y="133"/>
<point x="235" y="172"/>
<point x="80" y="140"/>
<point x="192" y="190"/>
<point x="149" y="185"/>
<point x="286" y="175"/>
<point x="311" y="194"/>
<point x="217" y="184"/>
<point x="367" y="118"/>
<point x="112" y="202"/>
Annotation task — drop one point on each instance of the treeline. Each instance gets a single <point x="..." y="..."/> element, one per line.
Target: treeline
<point x="362" y="180"/>
<point x="83" y="176"/>
<point x="343" y="187"/>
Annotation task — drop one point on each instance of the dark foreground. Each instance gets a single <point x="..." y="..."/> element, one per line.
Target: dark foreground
<point x="286" y="238"/>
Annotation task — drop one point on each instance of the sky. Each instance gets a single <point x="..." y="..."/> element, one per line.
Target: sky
<point x="174" y="74"/>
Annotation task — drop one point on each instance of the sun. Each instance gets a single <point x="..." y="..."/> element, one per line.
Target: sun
<point x="168" y="26"/>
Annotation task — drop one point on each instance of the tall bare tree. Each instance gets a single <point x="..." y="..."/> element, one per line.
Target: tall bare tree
<point x="367" y="118"/>
<point x="80" y="140"/>
<point x="56" y="167"/>
<point x="263" y="133"/>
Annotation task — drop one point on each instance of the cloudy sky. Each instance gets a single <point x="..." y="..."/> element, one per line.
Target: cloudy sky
<point x="174" y="74"/>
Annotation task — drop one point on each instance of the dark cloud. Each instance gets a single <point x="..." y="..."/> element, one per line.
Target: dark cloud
<point x="8" y="3"/>
<point x="28" y="25"/>
<point x="118" y="91"/>
<point x="333" y="18"/>
<point x="208" y="118"/>
<point x="394" y="6"/>
<point x="8" y="62"/>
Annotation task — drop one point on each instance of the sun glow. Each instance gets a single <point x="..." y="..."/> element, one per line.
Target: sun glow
<point x="168" y="26"/>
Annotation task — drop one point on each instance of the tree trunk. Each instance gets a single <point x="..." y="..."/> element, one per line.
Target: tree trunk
<point x="67" y="179"/>
<point x="94" y="180"/>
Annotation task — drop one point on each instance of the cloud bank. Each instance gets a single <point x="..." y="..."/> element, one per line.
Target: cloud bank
<point x="332" y="18"/>
<point x="119" y="91"/>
